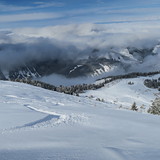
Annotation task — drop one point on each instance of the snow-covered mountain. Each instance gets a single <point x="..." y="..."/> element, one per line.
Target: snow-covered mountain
<point x="82" y="50"/>
<point x="121" y="60"/>
<point x="38" y="124"/>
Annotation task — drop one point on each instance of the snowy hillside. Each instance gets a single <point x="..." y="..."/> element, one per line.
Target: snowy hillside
<point x="37" y="124"/>
<point x="123" y="93"/>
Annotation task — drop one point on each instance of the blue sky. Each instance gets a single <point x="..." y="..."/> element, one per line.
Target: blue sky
<point x="39" y="13"/>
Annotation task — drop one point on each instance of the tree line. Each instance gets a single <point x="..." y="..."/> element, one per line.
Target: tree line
<point x="152" y="83"/>
<point x="80" y="88"/>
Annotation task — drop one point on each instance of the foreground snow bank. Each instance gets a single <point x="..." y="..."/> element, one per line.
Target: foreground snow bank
<point x="38" y="124"/>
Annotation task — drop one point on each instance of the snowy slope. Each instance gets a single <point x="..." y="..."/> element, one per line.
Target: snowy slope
<point x="38" y="124"/>
<point x="121" y="94"/>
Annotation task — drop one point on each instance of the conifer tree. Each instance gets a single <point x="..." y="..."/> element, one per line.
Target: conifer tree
<point x="134" y="107"/>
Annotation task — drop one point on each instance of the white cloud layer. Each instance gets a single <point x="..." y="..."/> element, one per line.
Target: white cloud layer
<point x="28" y="17"/>
<point x="98" y="35"/>
<point x="38" y="5"/>
<point x="73" y="41"/>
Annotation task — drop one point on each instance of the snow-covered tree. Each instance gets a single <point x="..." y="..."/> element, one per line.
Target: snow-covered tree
<point x="134" y="107"/>
<point x="155" y="108"/>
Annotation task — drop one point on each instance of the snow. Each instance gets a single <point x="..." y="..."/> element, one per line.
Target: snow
<point x="38" y="124"/>
<point x="120" y="94"/>
<point x="156" y="49"/>
<point x="74" y="68"/>
<point x="105" y="68"/>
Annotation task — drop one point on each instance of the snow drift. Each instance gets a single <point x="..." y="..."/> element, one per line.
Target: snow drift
<point x="38" y="124"/>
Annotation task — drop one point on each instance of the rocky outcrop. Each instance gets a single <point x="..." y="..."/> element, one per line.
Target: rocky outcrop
<point x="69" y="69"/>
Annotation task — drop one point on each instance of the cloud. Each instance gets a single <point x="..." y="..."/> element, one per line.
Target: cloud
<point x="4" y="7"/>
<point x="71" y="42"/>
<point x="48" y="4"/>
<point x="37" y="5"/>
<point x="28" y="17"/>
<point x="88" y="34"/>
<point x="14" y="53"/>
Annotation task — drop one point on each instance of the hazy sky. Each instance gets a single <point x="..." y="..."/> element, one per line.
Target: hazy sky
<point x="35" y="13"/>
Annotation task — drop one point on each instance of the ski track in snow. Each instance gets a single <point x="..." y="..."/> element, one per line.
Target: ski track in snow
<point x="51" y="119"/>
<point x="42" y="104"/>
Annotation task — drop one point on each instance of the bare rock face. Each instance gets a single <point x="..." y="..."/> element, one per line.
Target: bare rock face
<point x="86" y="67"/>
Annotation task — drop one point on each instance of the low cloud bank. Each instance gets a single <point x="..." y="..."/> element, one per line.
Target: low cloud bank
<point x="22" y="45"/>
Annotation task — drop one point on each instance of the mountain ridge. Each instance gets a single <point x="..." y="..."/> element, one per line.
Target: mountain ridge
<point x="115" y="59"/>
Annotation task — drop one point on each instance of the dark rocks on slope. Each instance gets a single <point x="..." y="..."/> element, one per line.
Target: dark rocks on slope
<point x="68" y="69"/>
